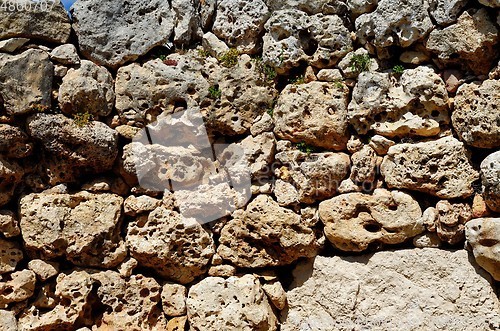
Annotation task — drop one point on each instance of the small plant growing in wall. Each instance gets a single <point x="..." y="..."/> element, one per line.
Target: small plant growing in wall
<point x="338" y="84"/>
<point x="82" y="119"/>
<point x="230" y="58"/>
<point x="305" y="148"/>
<point x="298" y="80"/>
<point x="266" y="72"/>
<point x="214" y="92"/>
<point x="398" y="69"/>
<point x="360" y="62"/>
<point x="39" y="108"/>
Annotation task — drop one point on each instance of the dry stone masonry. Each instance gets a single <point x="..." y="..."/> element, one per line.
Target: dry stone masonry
<point x="238" y="165"/>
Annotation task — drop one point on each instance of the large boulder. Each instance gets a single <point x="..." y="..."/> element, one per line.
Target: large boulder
<point x="83" y="227"/>
<point x="313" y="113"/>
<point x="398" y="23"/>
<point x="236" y="303"/>
<point x="25" y="81"/>
<point x="355" y="220"/>
<point x="245" y="91"/>
<point x="483" y="235"/>
<point x="413" y="289"/>
<point x="88" y="89"/>
<point x="476" y="117"/>
<point x="314" y="176"/>
<point x="113" y="33"/>
<point x="265" y="234"/>
<point x="176" y="247"/>
<point x="292" y="37"/>
<point x="416" y="105"/>
<point x="240" y="23"/>
<point x="490" y="176"/>
<point x="441" y="168"/>
<point x="470" y="43"/>
<point x="45" y="20"/>
<point x="88" y="148"/>
<point x="141" y="88"/>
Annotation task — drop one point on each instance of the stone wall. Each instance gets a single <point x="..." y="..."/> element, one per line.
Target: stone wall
<point x="249" y="165"/>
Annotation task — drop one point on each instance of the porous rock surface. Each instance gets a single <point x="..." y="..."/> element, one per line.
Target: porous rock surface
<point x="441" y="168"/>
<point x="235" y="303"/>
<point x="355" y="220"/>
<point x="165" y="165"/>
<point x="365" y="291"/>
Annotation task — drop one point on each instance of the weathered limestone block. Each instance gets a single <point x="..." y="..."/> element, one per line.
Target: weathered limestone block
<point x="83" y="227"/>
<point x="355" y="220"/>
<point x="113" y="33"/>
<point x="440" y="167"/>
<point x="236" y="303"/>
<point x="25" y="80"/>
<point x="177" y="248"/>
<point x="14" y="143"/>
<point x="265" y="234"/>
<point x="88" y="89"/>
<point x="16" y="287"/>
<point x="10" y="255"/>
<point x="313" y="113"/>
<point x="483" y="234"/>
<point x="476" y="117"/>
<point x="411" y="289"/>
<point x="490" y="176"/>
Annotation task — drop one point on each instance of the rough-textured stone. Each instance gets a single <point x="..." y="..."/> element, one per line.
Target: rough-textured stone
<point x="177" y="248"/>
<point x="313" y="113"/>
<point x="8" y="224"/>
<point x="490" y="3"/>
<point x="245" y="95"/>
<point x="11" y="174"/>
<point x="351" y="71"/>
<point x="381" y="144"/>
<point x="469" y="43"/>
<point x="88" y="89"/>
<point x="72" y="293"/>
<point x="240" y="23"/>
<point x="213" y="45"/>
<point x="83" y="227"/>
<point x="358" y="7"/>
<point x="427" y="239"/>
<point x="14" y="143"/>
<point x="236" y="303"/>
<point x="259" y="152"/>
<point x="276" y="293"/>
<point x="414" y="289"/>
<point x="130" y="304"/>
<point x="154" y="84"/>
<point x="292" y="36"/>
<point x="364" y="163"/>
<point x="439" y="167"/>
<point x="9" y="322"/>
<point x="483" y="234"/>
<point x="10" y="255"/>
<point x="12" y="44"/>
<point x="490" y="176"/>
<point x="16" y="287"/>
<point x="113" y="33"/>
<point x="313" y="176"/>
<point x="65" y="54"/>
<point x="476" y="117"/>
<point x="133" y="205"/>
<point x="38" y="20"/>
<point x="446" y="12"/>
<point x="394" y="23"/>
<point x="265" y="234"/>
<point x="44" y="270"/>
<point x="25" y="80"/>
<point x="451" y="219"/>
<point x="415" y="106"/>
<point x="89" y="148"/>
<point x="173" y="299"/>
<point x="355" y="220"/>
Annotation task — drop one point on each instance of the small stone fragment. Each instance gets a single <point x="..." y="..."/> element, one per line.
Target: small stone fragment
<point x="44" y="270"/>
<point x="173" y="298"/>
